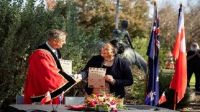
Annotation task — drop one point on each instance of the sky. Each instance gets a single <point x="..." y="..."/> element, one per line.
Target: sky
<point x="174" y="3"/>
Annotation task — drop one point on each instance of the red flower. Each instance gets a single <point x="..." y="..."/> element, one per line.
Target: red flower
<point x="103" y="100"/>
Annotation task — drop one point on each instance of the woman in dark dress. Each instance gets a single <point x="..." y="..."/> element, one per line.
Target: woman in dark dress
<point x="118" y="72"/>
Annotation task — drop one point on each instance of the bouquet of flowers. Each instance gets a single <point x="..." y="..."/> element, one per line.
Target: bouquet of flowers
<point x="104" y="102"/>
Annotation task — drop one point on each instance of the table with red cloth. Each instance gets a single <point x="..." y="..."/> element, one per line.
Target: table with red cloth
<point x="64" y="108"/>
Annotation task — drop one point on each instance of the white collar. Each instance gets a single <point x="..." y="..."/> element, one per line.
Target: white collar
<point x="52" y="49"/>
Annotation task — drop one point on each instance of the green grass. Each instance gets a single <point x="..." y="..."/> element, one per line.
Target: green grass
<point x="192" y="81"/>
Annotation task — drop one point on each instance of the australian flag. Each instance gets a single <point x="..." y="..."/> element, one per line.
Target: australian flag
<point x="152" y="92"/>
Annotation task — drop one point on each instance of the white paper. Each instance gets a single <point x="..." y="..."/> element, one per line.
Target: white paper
<point x="96" y="78"/>
<point x="66" y="66"/>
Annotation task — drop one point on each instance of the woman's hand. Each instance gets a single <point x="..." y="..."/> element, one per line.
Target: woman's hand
<point x="109" y="78"/>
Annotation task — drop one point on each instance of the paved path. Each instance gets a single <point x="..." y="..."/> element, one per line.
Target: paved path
<point x="194" y="105"/>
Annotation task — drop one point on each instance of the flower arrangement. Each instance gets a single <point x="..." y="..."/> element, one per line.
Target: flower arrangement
<point x="104" y="102"/>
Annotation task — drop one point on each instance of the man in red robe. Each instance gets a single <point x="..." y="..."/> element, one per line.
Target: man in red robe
<point x="45" y="73"/>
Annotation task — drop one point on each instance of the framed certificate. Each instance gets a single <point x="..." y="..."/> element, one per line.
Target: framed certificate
<point x="66" y="66"/>
<point x="96" y="78"/>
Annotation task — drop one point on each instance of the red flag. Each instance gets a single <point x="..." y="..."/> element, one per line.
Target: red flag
<point x="179" y="81"/>
<point x="162" y="98"/>
<point x="46" y="98"/>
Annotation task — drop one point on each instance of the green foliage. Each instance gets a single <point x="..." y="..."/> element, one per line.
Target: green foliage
<point x="23" y="27"/>
<point x="140" y="45"/>
<point x="138" y="89"/>
<point x="79" y="41"/>
<point x="11" y="58"/>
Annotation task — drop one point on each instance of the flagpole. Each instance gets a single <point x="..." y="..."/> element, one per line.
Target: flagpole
<point x="175" y="100"/>
<point x="176" y="93"/>
<point x="152" y="90"/>
<point x="154" y="72"/>
<point x="147" y="76"/>
<point x="177" y="84"/>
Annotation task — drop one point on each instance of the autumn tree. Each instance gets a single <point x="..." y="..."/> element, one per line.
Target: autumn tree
<point x="192" y="22"/>
<point x="103" y="12"/>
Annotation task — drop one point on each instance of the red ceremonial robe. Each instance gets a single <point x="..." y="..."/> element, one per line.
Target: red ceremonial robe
<point x="43" y="75"/>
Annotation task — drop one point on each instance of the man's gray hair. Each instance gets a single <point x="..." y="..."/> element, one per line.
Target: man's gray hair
<point x="194" y="46"/>
<point x="57" y="34"/>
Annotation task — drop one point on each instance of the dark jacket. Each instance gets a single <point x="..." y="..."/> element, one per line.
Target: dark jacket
<point x="120" y="70"/>
<point x="195" y="60"/>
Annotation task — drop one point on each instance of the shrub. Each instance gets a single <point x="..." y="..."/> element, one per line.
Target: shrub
<point x="23" y="27"/>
